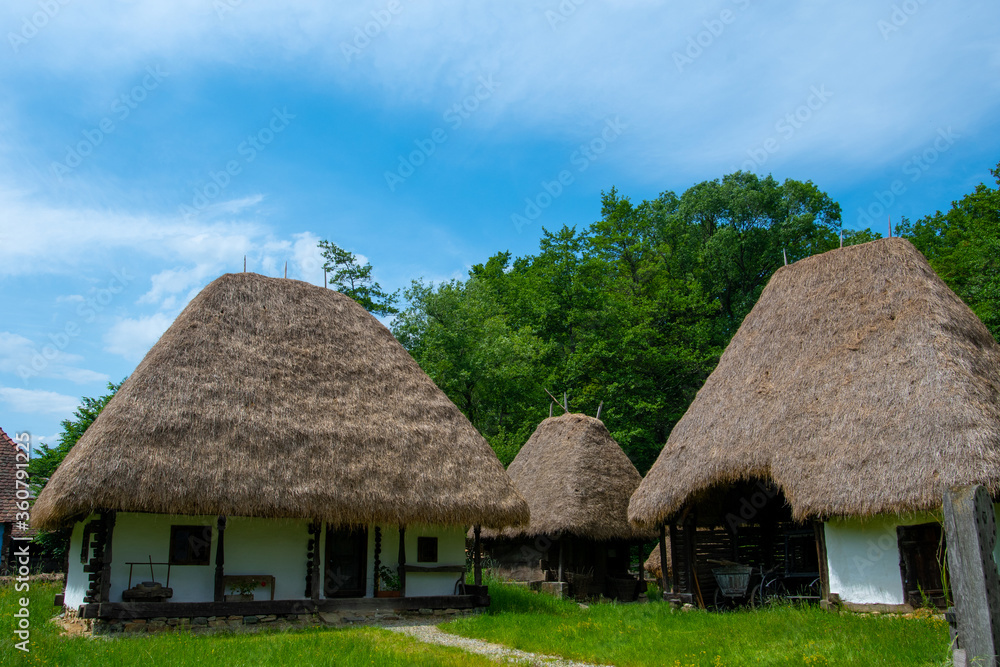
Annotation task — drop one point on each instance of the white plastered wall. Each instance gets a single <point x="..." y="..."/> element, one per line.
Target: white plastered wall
<point x="863" y="557"/>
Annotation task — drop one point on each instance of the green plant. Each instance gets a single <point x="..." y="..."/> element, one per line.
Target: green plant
<point x="243" y="587"/>
<point x="388" y="579"/>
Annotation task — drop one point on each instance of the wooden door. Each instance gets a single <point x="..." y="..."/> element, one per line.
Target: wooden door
<point x="921" y="560"/>
<point x="345" y="574"/>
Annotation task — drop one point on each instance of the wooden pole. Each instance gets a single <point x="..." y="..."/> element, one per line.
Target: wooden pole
<point x="556" y="400"/>
<point x="378" y="557"/>
<point x="324" y="278"/>
<point x="663" y="560"/>
<point x="565" y="402"/>
<point x="286" y="269"/>
<point x="109" y="519"/>
<point x="402" y="561"/>
<point x="561" y="539"/>
<point x="784" y="253"/>
<point x="970" y="532"/>
<point x="244" y="263"/>
<point x="890" y="226"/>
<point x="220" y="560"/>
<point x="477" y="561"/>
<point x="599" y="409"/>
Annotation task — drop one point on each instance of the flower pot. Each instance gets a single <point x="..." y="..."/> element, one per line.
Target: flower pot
<point x="388" y="594"/>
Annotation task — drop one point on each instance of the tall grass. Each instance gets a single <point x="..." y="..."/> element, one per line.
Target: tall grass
<point x="314" y="646"/>
<point x="653" y="634"/>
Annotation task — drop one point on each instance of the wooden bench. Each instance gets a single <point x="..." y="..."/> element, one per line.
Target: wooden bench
<point x="229" y="579"/>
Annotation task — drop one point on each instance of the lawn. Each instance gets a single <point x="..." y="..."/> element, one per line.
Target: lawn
<point x="315" y="646"/>
<point x="652" y="634"/>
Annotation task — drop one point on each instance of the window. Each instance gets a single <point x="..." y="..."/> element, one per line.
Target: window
<point x="922" y="563"/>
<point x="427" y="549"/>
<point x="190" y="545"/>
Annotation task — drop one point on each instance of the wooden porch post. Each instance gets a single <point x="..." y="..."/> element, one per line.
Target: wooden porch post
<point x="402" y="561"/>
<point x="675" y="585"/>
<point x="824" y="568"/>
<point x="109" y="523"/>
<point x="220" y="559"/>
<point x="378" y="557"/>
<point x="477" y="561"/>
<point x="561" y="557"/>
<point x="663" y="560"/>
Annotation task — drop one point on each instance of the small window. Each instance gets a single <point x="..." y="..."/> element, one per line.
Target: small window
<point x="190" y="545"/>
<point x="427" y="549"/>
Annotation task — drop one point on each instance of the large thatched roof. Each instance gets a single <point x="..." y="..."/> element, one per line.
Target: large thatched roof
<point x="859" y="383"/>
<point x="577" y="481"/>
<point x="276" y="398"/>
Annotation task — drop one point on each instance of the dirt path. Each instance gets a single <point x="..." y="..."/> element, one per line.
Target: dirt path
<point x="429" y="633"/>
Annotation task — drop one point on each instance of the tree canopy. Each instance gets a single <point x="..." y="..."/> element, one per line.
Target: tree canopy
<point x="354" y="279"/>
<point x="632" y="312"/>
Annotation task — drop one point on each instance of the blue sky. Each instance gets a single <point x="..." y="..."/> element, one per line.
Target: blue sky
<point x="146" y="147"/>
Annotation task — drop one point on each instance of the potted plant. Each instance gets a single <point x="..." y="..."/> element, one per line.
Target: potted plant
<point x="242" y="591"/>
<point x="388" y="583"/>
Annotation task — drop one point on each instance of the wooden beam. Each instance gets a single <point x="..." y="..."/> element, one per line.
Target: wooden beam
<point x="433" y="568"/>
<point x="477" y="560"/>
<point x="663" y="560"/>
<point x="220" y="560"/>
<point x="824" y="567"/>
<point x="378" y="558"/>
<point x="108" y="517"/>
<point x="402" y="561"/>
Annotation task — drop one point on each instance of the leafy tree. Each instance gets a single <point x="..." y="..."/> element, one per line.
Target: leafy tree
<point x="963" y="246"/>
<point x="355" y="280"/>
<point x="54" y="544"/>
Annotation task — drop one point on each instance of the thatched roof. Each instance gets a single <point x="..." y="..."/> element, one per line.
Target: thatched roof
<point x="859" y="383"/>
<point x="652" y="564"/>
<point x="577" y="481"/>
<point x="276" y="398"/>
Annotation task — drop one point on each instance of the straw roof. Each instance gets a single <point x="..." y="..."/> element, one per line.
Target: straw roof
<point x="652" y="564"/>
<point x="859" y="384"/>
<point x="577" y="481"/>
<point x="277" y="398"/>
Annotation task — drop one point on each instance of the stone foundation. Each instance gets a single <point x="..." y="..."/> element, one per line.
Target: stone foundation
<point x="210" y="624"/>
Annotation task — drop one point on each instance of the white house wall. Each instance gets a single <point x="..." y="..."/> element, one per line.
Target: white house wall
<point x="76" y="579"/>
<point x="863" y="557"/>
<point x="253" y="547"/>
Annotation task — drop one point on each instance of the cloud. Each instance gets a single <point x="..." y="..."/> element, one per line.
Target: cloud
<point x="35" y="401"/>
<point x="21" y="356"/>
<point x="132" y="337"/>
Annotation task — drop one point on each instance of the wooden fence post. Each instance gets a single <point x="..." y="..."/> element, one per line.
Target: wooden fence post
<point x="970" y="530"/>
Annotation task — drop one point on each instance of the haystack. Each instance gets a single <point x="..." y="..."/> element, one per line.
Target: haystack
<point x="279" y="399"/>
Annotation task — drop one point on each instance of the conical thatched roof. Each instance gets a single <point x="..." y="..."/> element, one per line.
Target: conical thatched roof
<point x="577" y="481"/>
<point x="859" y="383"/>
<point x="276" y="398"/>
<point x="652" y="564"/>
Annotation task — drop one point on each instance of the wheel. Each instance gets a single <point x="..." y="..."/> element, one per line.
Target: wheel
<point x="767" y="594"/>
<point x="723" y="602"/>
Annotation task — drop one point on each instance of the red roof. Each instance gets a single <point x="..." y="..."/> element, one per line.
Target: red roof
<point x="8" y="478"/>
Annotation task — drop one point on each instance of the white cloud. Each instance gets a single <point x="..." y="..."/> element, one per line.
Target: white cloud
<point x="22" y="357"/>
<point x="35" y="401"/>
<point x="132" y="337"/>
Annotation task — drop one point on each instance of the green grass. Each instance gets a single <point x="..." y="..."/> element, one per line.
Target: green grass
<point x="314" y="646"/>
<point x="652" y="634"/>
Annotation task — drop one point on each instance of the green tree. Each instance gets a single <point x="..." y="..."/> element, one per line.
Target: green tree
<point x="54" y="544"/>
<point x="355" y="280"/>
<point x="963" y="246"/>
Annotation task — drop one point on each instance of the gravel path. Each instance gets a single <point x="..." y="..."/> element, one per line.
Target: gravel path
<point x="429" y="633"/>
